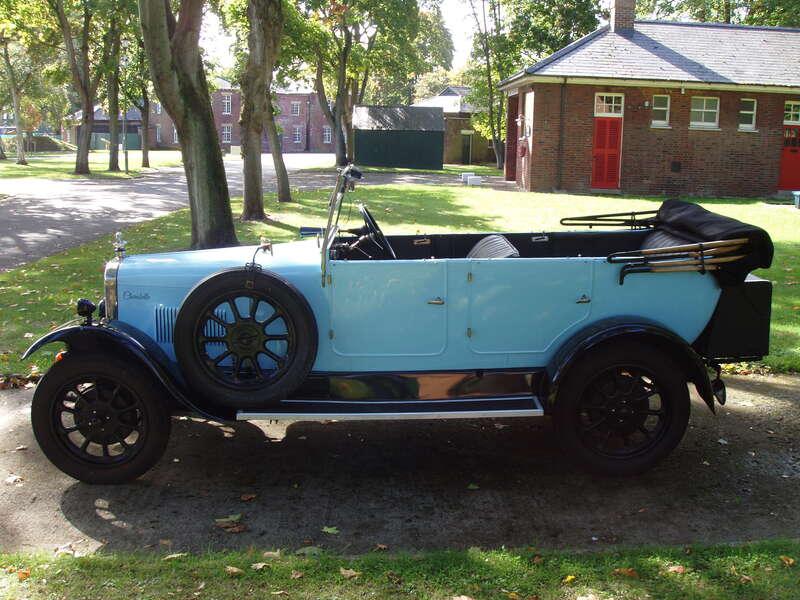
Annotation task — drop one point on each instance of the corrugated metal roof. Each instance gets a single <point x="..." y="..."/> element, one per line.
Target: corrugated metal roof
<point x="398" y="118"/>
<point x="691" y="52"/>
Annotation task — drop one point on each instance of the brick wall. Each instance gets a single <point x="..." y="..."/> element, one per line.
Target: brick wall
<point x="723" y="162"/>
<point x="482" y="151"/>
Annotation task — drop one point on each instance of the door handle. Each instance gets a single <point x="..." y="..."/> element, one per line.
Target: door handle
<point x="436" y="300"/>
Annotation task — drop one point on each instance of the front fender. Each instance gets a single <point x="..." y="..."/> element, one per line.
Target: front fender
<point x="633" y="327"/>
<point x="91" y="338"/>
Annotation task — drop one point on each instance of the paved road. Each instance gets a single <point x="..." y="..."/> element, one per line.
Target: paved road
<point x="735" y="477"/>
<point x="43" y="216"/>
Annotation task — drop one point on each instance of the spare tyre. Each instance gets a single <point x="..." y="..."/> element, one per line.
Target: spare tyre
<point x="245" y="339"/>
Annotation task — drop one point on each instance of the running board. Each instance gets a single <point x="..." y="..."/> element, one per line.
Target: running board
<point x="321" y="410"/>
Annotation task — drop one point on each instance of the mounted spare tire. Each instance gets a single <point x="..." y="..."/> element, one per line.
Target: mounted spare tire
<point x="245" y="339"/>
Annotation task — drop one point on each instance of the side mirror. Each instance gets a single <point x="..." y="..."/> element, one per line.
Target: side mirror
<point x="311" y="231"/>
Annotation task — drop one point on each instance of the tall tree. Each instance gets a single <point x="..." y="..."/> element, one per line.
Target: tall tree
<point x="112" y="90"/>
<point x="16" y="82"/>
<point x="135" y="84"/>
<point x="87" y="56"/>
<point x="172" y="44"/>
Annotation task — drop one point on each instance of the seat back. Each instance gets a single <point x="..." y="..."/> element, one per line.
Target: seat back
<point x="493" y="246"/>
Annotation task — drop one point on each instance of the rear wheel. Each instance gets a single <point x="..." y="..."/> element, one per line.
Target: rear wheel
<point x="100" y="419"/>
<point x="622" y="409"/>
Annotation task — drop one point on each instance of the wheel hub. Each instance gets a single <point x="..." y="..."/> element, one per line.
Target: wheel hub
<point x="245" y="339"/>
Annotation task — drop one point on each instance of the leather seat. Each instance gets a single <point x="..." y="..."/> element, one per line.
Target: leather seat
<point x="493" y="246"/>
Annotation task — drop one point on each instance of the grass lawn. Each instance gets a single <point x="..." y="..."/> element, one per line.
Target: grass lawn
<point x="36" y="297"/>
<point x="455" y="170"/>
<point x="61" y="166"/>
<point x="765" y="571"/>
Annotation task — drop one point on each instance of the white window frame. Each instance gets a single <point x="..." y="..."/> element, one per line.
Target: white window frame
<point x="295" y="110"/>
<point x="661" y="122"/>
<point x="327" y="134"/>
<point x="297" y="135"/>
<point x="795" y="109"/>
<point x="605" y="113"/>
<point x="754" y="112"/>
<point x="227" y="104"/>
<point x="158" y="134"/>
<point x="703" y="124"/>
<point x="157" y="108"/>
<point x="227" y="133"/>
<point x="175" y="139"/>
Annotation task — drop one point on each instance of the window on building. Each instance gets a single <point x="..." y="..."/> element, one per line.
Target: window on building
<point x="298" y="135"/>
<point x="747" y="114"/>
<point x="157" y="108"/>
<point x="791" y="113"/>
<point x="660" y="111"/>
<point x="609" y="105"/>
<point x="174" y="135"/>
<point x="158" y="134"/>
<point x="295" y="109"/>
<point x="226" y="104"/>
<point x="704" y="112"/>
<point x="227" y="129"/>
<point x="327" y="134"/>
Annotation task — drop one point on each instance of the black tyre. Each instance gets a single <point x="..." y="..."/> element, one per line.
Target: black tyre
<point x="100" y="419"/>
<point x="245" y="340"/>
<point x="622" y="408"/>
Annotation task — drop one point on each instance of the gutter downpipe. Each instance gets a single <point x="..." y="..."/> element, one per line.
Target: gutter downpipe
<point x="561" y="133"/>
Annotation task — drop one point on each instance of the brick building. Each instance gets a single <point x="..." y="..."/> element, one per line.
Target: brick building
<point x="302" y="125"/>
<point x="660" y="108"/>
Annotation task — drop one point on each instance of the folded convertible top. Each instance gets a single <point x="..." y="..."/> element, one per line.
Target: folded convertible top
<point x="695" y="223"/>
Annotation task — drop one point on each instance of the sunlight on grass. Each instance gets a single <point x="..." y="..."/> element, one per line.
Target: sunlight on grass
<point x="41" y="295"/>
<point x="62" y="166"/>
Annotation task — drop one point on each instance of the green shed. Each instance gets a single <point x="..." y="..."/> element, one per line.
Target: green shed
<point x="399" y="136"/>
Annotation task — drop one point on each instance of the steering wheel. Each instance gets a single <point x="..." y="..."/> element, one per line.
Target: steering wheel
<point x="377" y="235"/>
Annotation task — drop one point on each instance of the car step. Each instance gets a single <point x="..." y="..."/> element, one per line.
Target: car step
<point x="378" y="410"/>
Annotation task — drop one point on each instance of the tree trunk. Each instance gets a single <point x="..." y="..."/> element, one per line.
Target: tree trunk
<point x="112" y="89"/>
<point x="253" y="203"/>
<point x="172" y="45"/>
<point x="84" y="137"/>
<point x="281" y="174"/>
<point x="145" y="128"/>
<point x="2" y="150"/>
<point x="15" y="104"/>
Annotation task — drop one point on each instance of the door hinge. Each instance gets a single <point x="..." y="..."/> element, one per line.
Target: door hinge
<point x="330" y="334"/>
<point x="469" y="332"/>
<point x="469" y="277"/>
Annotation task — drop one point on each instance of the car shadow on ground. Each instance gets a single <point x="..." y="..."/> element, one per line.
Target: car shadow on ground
<point x="443" y="484"/>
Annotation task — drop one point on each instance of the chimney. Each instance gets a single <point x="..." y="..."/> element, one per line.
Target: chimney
<point x="623" y="12"/>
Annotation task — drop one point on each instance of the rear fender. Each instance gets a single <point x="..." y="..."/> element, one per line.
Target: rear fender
<point x="620" y="328"/>
<point x="129" y="343"/>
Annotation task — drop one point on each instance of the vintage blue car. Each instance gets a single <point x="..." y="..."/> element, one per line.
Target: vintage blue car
<point x="600" y="330"/>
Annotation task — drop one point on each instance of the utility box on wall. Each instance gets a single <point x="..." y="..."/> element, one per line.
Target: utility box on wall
<point x="399" y="136"/>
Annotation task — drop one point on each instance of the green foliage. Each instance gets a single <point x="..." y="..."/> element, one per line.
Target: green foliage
<point x="784" y="13"/>
<point x="431" y="83"/>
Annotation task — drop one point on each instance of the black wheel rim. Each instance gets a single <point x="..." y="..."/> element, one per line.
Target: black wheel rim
<point x="622" y="413"/>
<point x="99" y="420"/>
<point x="244" y="340"/>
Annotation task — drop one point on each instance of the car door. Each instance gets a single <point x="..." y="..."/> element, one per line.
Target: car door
<point x="522" y="305"/>
<point x="388" y="307"/>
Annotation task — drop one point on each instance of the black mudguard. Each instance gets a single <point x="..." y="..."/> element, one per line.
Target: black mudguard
<point x="81" y="338"/>
<point x="633" y="328"/>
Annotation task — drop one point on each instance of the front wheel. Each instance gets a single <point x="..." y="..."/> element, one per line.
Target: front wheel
<point x="622" y="408"/>
<point x="100" y="419"/>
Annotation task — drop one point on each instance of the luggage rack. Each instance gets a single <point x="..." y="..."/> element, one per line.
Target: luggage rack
<point x="644" y="219"/>
<point x="699" y="257"/>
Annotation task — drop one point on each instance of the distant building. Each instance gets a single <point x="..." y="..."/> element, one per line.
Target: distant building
<point x="462" y="144"/>
<point x="100" y="128"/>
<point x="399" y="136"/>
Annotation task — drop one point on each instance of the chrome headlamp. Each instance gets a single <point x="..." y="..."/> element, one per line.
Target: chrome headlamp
<point x="110" y="287"/>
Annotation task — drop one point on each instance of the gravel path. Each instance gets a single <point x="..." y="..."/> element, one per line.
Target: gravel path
<point x="735" y="477"/>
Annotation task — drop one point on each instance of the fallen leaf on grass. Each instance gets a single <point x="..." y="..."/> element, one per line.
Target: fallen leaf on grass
<point x="330" y="530"/>
<point x="176" y="555"/>
<point x="247" y="497"/>
<point x="231" y="523"/>
<point x="23" y="574"/>
<point x="745" y="579"/>
<point x="234" y="571"/>
<point x="513" y="596"/>
<point x="462" y="597"/>
<point x="568" y="579"/>
<point x="308" y="551"/>
<point x="297" y="574"/>
<point x="679" y="569"/>
<point x="20" y="449"/>
<point x="381" y="547"/>
<point x="280" y="593"/>
<point x="272" y="554"/>
<point x="787" y="561"/>
<point x="394" y="578"/>
<point x="537" y="560"/>
<point x="625" y="572"/>
<point x="348" y="573"/>
<point x="235" y="528"/>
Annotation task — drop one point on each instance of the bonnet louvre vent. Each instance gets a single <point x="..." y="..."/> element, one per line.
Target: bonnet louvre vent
<point x="165" y="323"/>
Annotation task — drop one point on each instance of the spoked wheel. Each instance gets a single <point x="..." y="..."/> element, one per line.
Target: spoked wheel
<point x="100" y="419"/>
<point x="623" y="408"/>
<point x="245" y="339"/>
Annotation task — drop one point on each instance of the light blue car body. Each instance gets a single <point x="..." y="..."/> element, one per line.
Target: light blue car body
<point x="378" y="316"/>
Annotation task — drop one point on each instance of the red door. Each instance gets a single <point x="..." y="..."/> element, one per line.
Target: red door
<point x="790" y="159"/>
<point x="511" y="138"/>
<point x="606" y="152"/>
